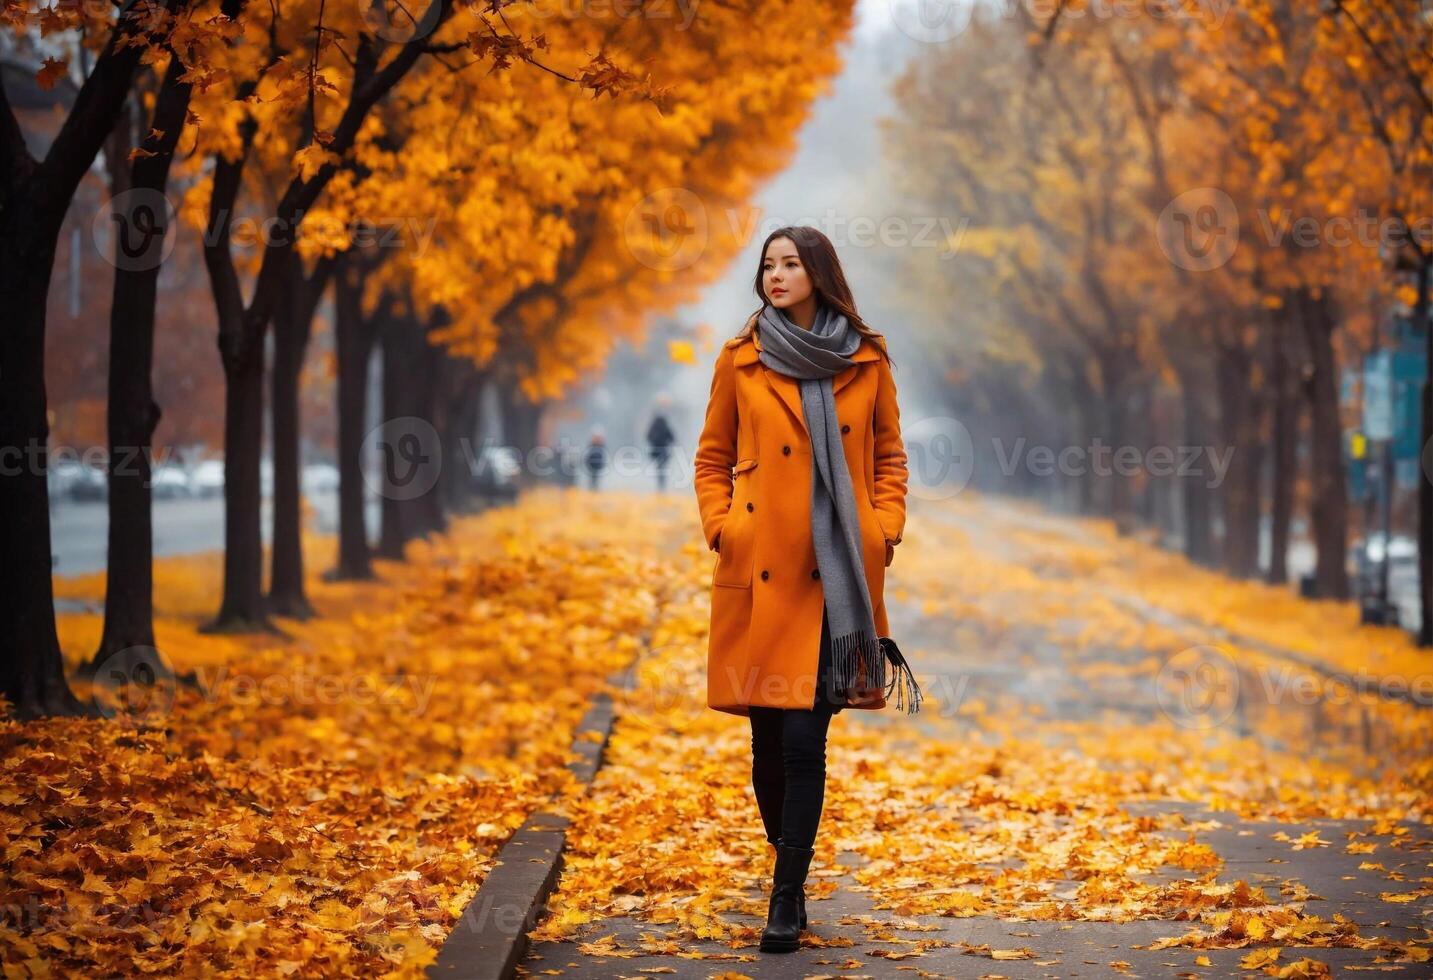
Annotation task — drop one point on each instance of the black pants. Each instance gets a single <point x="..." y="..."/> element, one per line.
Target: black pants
<point x="788" y="759"/>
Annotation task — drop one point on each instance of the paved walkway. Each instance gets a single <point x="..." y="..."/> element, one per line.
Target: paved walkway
<point x="1027" y="665"/>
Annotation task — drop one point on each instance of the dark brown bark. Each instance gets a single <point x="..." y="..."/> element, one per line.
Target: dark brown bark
<point x="354" y="342"/>
<point x="404" y="444"/>
<point x="293" y="326"/>
<point x="241" y="607"/>
<point x="1239" y="493"/>
<point x="460" y="446"/>
<point x="34" y="196"/>
<point x="1423" y="324"/>
<point x="430" y="405"/>
<point x="1118" y="378"/>
<point x="133" y="413"/>
<point x="1330" y="501"/>
<point x="521" y="419"/>
<point x="242" y="328"/>
<point x="1285" y="462"/>
<point x="1197" y="498"/>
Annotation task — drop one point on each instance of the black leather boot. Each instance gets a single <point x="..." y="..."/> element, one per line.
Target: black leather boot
<point x="783" y="922"/>
<point x="800" y="898"/>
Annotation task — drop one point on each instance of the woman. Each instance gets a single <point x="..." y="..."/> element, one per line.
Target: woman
<point x="801" y="483"/>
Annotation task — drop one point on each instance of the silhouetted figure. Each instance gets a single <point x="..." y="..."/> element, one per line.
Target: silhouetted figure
<point x="660" y="437"/>
<point x="596" y="458"/>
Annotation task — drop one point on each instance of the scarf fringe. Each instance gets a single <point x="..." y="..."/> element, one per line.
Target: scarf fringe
<point x="859" y="661"/>
<point x="906" y="690"/>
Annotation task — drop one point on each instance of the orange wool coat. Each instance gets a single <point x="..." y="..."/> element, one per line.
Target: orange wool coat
<point x="753" y="485"/>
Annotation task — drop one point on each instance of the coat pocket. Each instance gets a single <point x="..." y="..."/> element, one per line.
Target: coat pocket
<point x="738" y="532"/>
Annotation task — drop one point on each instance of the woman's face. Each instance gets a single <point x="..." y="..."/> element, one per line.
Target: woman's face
<point x="783" y="277"/>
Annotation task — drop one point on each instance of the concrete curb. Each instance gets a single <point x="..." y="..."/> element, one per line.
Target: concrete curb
<point x="490" y="937"/>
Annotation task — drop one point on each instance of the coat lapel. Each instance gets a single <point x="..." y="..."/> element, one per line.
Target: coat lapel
<point x="787" y="389"/>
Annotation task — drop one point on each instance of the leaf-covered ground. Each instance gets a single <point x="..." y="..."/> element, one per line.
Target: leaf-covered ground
<point x="1062" y="786"/>
<point x="334" y="797"/>
<point x="331" y="801"/>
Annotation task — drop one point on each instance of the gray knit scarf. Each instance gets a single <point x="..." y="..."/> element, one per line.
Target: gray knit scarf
<point x="813" y="357"/>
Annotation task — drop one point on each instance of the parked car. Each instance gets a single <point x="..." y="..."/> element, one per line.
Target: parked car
<point x="320" y="478"/>
<point x="207" y="479"/>
<point x="169" y="481"/>
<point x="496" y="472"/>
<point x="62" y="475"/>
<point x="90" y="483"/>
<point x="1402" y="550"/>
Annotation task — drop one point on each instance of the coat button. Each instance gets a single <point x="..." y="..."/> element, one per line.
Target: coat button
<point x="845" y="428"/>
<point x="750" y="506"/>
<point x="815" y="573"/>
<point x="765" y="575"/>
<point x="786" y="450"/>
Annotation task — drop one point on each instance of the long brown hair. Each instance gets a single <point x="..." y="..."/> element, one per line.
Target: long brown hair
<point x="828" y="281"/>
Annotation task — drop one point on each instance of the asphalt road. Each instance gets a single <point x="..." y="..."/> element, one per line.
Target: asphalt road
<point x="79" y="530"/>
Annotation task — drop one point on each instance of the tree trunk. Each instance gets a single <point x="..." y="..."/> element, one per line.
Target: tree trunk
<point x="34" y="196"/>
<point x="354" y="341"/>
<point x="32" y="673"/>
<point x="1330" y="500"/>
<point x="432" y="405"/>
<point x="521" y="418"/>
<point x="1117" y="380"/>
<point x="405" y="444"/>
<point x="1285" y="468"/>
<point x="460" y="449"/>
<point x="133" y="414"/>
<point x="1423" y="324"/>
<point x="1196" y="498"/>
<point x="293" y="326"/>
<point x="1238" y="427"/>
<point x="242" y="608"/>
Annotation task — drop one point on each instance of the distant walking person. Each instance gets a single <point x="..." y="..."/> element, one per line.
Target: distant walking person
<point x="596" y="458"/>
<point x="660" y="437"/>
<point x="801" y="483"/>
